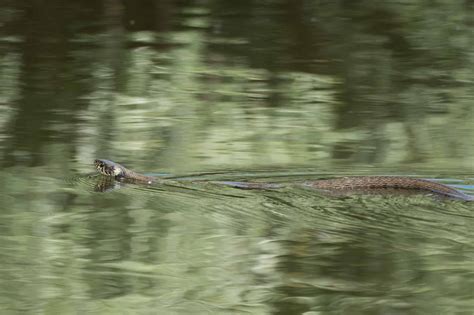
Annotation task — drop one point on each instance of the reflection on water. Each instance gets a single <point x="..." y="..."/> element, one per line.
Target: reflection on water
<point x="327" y="85"/>
<point x="212" y="248"/>
<point x="233" y="90"/>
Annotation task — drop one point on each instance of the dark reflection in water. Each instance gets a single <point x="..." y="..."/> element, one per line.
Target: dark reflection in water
<point x="237" y="90"/>
<point x="192" y="85"/>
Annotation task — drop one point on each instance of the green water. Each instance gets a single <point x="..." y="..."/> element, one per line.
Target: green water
<point x="278" y="91"/>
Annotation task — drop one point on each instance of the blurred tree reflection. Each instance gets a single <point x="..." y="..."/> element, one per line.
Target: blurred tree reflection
<point x="375" y="83"/>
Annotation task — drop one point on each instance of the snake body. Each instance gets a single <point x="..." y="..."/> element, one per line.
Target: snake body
<point x="338" y="184"/>
<point x="387" y="182"/>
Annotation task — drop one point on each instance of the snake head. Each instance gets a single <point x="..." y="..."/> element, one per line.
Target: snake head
<point x="109" y="168"/>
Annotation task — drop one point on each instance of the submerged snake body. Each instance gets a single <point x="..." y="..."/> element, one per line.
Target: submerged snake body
<point x="339" y="184"/>
<point x="386" y="182"/>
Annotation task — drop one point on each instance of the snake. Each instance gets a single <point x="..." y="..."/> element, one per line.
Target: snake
<point x="337" y="184"/>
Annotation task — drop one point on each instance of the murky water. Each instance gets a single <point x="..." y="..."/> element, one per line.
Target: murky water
<point x="265" y="91"/>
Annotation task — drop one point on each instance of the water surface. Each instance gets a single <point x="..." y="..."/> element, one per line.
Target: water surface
<point x="246" y="90"/>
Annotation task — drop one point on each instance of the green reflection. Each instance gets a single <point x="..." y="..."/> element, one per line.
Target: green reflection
<point x="67" y="248"/>
<point x="250" y="89"/>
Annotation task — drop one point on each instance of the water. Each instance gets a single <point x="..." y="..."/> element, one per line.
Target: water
<point x="271" y="91"/>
